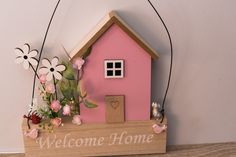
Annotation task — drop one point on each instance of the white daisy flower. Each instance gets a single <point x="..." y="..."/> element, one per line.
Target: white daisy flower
<point x="52" y="69"/>
<point x="25" y="56"/>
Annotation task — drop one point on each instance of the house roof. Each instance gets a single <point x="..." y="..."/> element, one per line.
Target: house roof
<point x="102" y="27"/>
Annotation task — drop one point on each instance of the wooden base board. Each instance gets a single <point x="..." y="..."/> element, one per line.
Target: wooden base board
<point x="136" y="137"/>
<point x="227" y="149"/>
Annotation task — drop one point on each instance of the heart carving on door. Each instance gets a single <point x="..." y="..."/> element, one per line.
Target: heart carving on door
<point x="115" y="104"/>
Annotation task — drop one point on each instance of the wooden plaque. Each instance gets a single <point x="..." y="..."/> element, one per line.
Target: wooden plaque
<point x="136" y="137"/>
<point x="115" y="109"/>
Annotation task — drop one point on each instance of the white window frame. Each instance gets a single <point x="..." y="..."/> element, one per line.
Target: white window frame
<point x="113" y="61"/>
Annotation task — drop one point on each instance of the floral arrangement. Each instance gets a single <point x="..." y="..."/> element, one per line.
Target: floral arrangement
<point x="59" y="88"/>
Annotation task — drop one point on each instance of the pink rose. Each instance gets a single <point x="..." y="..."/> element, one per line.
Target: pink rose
<point x="78" y="63"/>
<point x="56" y="122"/>
<point x="50" y="88"/>
<point x="55" y="105"/>
<point x="42" y="79"/>
<point x="77" y="120"/>
<point x="66" y="110"/>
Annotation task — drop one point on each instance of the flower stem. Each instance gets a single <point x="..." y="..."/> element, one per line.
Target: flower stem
<point x="55" y="85"/>
<point x="78" y="78"/>
<point x="77" y="87"/>
<point x="81" y="73"/>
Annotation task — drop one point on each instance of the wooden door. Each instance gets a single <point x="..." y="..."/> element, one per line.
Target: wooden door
<point x="115" y="108"/>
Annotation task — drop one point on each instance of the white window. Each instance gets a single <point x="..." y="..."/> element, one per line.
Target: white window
<point x="114" y="68"/>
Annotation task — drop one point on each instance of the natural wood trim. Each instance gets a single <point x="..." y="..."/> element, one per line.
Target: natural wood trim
<point x="136" y="38"/>
<point x="132" y="137"/>
<point x="102" y="27"/>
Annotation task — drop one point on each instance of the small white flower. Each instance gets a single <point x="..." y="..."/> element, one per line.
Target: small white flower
<point x="25" y="56"/>
<point x="39" y="109"/>
<point x="52" y="69"/>
<point x="33" y="107"/>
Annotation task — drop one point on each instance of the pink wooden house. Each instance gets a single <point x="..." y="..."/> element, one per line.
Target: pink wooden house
<point x="117" y="73"/>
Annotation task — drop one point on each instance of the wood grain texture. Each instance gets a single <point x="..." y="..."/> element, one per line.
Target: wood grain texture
<point x="115" y="109"/>
<point x="200" y="150"/>
<point x="136" y="137"/>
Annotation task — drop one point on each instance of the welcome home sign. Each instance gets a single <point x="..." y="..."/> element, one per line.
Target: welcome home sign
<point x="97" y="140"/>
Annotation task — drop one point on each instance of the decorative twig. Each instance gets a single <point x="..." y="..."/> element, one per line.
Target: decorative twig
<point x="36" y="74"/>
<point x="66" y="52"/>
<point x="171" y="60"/>
<point x="34" y="70"/>
<point x="40" y="54"/>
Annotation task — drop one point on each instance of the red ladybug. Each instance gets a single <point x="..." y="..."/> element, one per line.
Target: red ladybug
<point x="34" y="118"/>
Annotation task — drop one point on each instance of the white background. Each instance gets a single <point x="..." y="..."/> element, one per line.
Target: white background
<point x="201" y="102"/>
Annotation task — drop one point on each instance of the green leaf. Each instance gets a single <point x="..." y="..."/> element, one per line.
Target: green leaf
<point x="89" y="104"/>
<point x="81" y="93"/>
<point x="84" y="95"/>
<point x="78" y="90"/>
<point x="69" y="73"/>
<point x="73" y="84"/>
<point x="66" y="90"/>
<point x="73" y="88"/>
<point x="87" y="52"/>
<point x="64" y="102"/>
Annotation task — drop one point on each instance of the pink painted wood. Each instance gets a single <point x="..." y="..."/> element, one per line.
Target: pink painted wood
<point x="136" y="84"/>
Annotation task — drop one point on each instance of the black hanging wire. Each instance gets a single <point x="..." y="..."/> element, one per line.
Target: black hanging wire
<point x="40" y="55"/>
<point x="171" y="61"/>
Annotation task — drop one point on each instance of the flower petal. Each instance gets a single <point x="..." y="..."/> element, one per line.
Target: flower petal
<point x="43" y="70"/>
<point x="54" y="61"/>
<point x="33" y="53"/>
<point x="26" y="48"/>
<point x="26" y="64"/>
<point x="57" y="75"/>
<point x="49" y="76"/>
<point x="19" y="60"/>
<point x="46" y="63"/>
<point x="33" y="61"/>
<point x="60" y="67"/>
<point x="19" y="52"/>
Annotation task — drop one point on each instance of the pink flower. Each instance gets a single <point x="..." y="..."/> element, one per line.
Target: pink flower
<point x="77" y="120"/>
<point x="159" y="128"/>
<point x="55" y="105"/>
<point x="66" y="110"/>
<point x="56" y="122"/>
<point x="32" y="133"/>
<point x="42" y="79"/>
<point x="78" y="63"/>
<point x="50" y="88"/>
